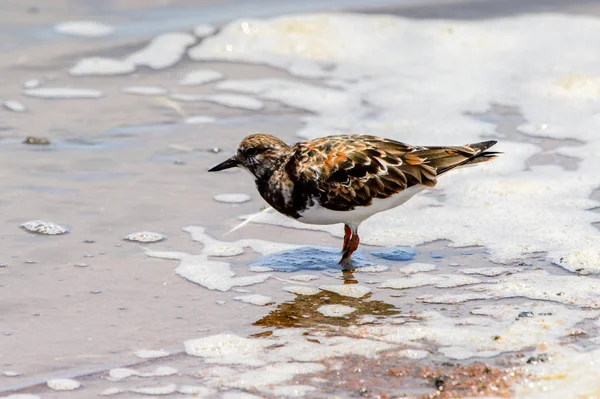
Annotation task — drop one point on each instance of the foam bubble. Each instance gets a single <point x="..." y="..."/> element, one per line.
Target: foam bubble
<point x="232" y="198"/>
<point x="303" y="277"/>
<point x="301" y="290"/>
<point x="151" y="354"/>
<point x="373" y="269"/>
<point x="228" y="100"/>
<point x="292" y="391"/>
<point x="263" y="378"/>
<point x="254" y="299"/>
<point x="416" y="267"/>
<point x="10" y="374"/>
<point x="228" y="349"/>
<point x="413" y="353"/>
<point x="438" y="280"/>
<point x="240" y="395"/>
<point x="156" y="390"/>
<point x="44" y="227"/>
<point x="32" y="83"/>
<point x="101" y="66"/>
<point x="145" y="236"/>
<point x="491" y="271"/>
<point x="199" y="119"/>
<point x="196" y="391"/>
<point x="62" y="93"/>
<point x="204" y="30"/>
<point x="63" y="384"/>
<point x="294" y="94"/>
<point x="14" y="106"/>
<point x="335" y="310"/>
<point x="163" y="51"/>
<point x="84" y="28"/>
<point x="145" y="90"/>
<point x="260" y="269"/>
<point x="111" y="391"/>
<point x="119" y="374"/>
<point x="200" y="77"/>
<point x="162" y="371"/>
<point x="349" y="290"/>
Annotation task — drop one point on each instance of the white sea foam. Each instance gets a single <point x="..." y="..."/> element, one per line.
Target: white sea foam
<point x="200" y="77"/>
<point x="392" y="78"/>
<point x="254" y="299"/>
<point x="101" y="66"/>
<point x="301" y="290"/>
<point x="199" y="119"/>
<point x="145" y="236"/>
<point x="163" y="51"/>
<point x="32" y="83"/>
<point x="232" y="198"/>
<point x="84" y="28"/>
<point x="349" y="290"/>
<point x="335" y="310"/>
<point x="44" y="227"/>
<point x="416" y="267"/>
<point x="111" y="391"/>
<point x="413" y="353"/>
<point x="150" y="353"/>
<point x="62" y="93"/>
<point x="420" y="280"/>
<point x="156" y="389"/>
<point x="63" y="384"/>
<point x="303" y="277"/>
<point x="15" y="106"/>
<point x="204" y="30"/>
<point x="196" y="391"/>
<point x="145" y="90"/>
<point x="228" y="100"/>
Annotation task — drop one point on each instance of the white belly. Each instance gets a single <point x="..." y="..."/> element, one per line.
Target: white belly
<point x="319" y="215"/>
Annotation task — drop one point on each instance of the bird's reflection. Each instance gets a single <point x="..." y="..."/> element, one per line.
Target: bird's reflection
<point x="302" y="311"/>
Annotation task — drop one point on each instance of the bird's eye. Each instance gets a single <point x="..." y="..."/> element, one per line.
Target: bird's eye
<point x="251" y="151"/>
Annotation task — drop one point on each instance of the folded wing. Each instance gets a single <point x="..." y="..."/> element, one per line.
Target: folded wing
<point x="352" y="170"/>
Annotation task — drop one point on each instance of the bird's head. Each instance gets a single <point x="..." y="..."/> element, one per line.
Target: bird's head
<point x="258" y="153"/>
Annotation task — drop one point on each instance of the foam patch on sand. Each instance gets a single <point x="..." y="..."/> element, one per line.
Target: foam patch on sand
<point x="228" y="100"/>
<point x="283" y="346"/>
<point x="200" y="77"/>
<point x="217" y="275"/>
<point x="570" y="373"/>
<point x="163" y="51"/>
<point x="151" y="354"/>
<point x="15" y="106"/>
<point x="232" y="198"/>
<point x="63" y="384"/>
<point x="84" y="28"/>
<point x="255" y="299"/>
<point x="390" y="76"/>
<point x="335" y="310"/>
<point x="493" y="329"/>
<point x="62" y="93"/>
<point x="101" y="66"/>
<point x="145" y="90"/>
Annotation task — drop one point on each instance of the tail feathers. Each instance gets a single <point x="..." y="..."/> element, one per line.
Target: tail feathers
<point x="444" y="159"/>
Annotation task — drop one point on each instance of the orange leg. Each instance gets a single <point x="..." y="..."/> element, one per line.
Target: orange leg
<point x="347" y="234"/>
<point x="350" y="248"/>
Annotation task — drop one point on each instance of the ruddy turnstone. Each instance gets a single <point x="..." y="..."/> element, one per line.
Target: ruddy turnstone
<point x="346" y="178"/>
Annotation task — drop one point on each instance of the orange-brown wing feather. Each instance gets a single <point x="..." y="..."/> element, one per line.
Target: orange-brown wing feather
<point x="352" y="170"/>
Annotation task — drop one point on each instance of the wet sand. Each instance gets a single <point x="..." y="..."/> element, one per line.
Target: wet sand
<point x="79" y="304"/>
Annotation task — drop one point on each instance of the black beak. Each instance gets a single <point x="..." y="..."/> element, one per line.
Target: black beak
<point x="230" y="163"/>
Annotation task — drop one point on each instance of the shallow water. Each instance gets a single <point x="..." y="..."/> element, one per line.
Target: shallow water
<point x="265" y="309"/>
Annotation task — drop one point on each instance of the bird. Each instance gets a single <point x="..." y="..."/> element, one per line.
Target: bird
<point x="346" y="178"/>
